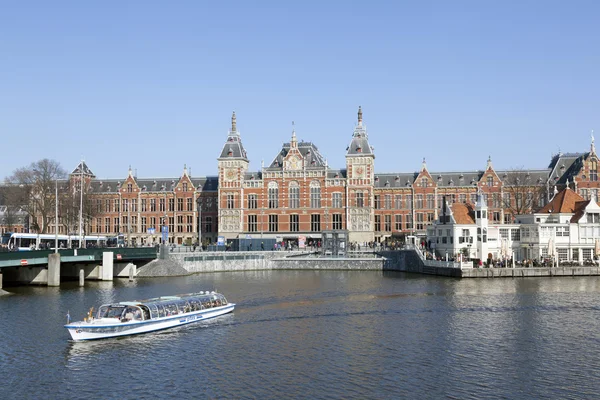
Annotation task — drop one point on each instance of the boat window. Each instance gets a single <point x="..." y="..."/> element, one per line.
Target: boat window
<point x="153" y="310"/>
<point x="113" y="312"/>
<point x="171" y="309"/>
<point x="161" y="310"/>
<point x="102" y="311"/>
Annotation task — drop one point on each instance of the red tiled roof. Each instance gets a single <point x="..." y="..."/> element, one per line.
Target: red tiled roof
<point x="563" y="202"/>
<point x="463" y="213"/>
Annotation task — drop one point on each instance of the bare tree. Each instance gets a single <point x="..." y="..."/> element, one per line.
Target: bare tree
<point x="12" y="198"/>
<point x="70" y="199"/>
<point x="521" y="192"/>
<point x="37" y="182"/>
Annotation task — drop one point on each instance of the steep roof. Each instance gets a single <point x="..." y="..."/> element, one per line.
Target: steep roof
<point x="233" y="147"/>
<point x="310" y="153"/>
<point x="463" y="213"/>
<point x="563" y="202"/>
<point x="359" y="145"/>
<point x="82" y="166"/>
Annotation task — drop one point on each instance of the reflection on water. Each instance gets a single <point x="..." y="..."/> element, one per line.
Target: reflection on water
<point x="316" y="334"/>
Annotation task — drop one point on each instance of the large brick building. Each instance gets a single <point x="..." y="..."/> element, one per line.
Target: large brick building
<point x="299" y="195"/>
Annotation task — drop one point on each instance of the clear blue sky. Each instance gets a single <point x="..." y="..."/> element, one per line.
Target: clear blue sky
<point x="152" y="84"/>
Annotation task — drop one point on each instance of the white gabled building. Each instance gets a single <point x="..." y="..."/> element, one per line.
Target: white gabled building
<point x="566" y="229"/>
<point x="463" y="230"/>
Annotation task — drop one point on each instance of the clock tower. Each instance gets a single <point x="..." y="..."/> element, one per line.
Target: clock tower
<point x="360" y="178"/>
<point x="233" y="164"/>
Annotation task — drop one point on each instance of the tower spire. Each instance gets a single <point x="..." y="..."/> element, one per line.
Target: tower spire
<point x="233" y="123"/>
<point x="593" y="146"/>
<point x="359" y="116"/>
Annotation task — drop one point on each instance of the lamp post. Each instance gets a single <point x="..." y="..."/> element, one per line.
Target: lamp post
<point x="56" y="216"/>
<point x="200" y="222"/>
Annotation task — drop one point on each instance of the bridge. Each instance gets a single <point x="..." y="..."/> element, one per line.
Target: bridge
<point x="44" y="267"/>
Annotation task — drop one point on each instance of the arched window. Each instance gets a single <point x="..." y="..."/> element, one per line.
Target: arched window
<point x="594" y="170"/>
<point x="294" y="195"/>
<point x="315" y="194"/>
<point x="273" y="195"/>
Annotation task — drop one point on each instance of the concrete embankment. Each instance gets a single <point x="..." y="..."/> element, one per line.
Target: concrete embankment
<point x="185" y="264"/>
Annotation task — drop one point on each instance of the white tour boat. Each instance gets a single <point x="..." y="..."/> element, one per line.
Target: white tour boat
<point x="134" y="317"/>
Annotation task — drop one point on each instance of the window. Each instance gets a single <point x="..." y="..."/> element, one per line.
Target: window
<point x="315" y="223"/>
<point x="230" y="200"/>
<point x="388" y="202"/>
<point x="208" y="225"/>
<point x="125" y="205"/>
<point x="430" y="201"/>
<point x="252" y="223"/>
<point x="496" y="216"/>
<point x="117" y="205"/>
<point x="144" y="205"/>
<point x="398" y="218"/>
<point x="107" y="205"/>
<point x="593" y="218"/>
<point x="398" y="202"/>
<point x="462" y="198"/>
<point x="506" y="200"/>
<point x="152" y="204"/>
<point x="336" y="200"/>
<point x="190" y="204"/>
<point x="337" y="221"/>
<point x="171" y="224"/>
<point x="129" y="188"/>
<point x="294" y="195"/>
<point x="162" y="205"/>
<point x="409" y="200"/>
<point x="496" y="200"/>
<point x="424" y="182"/>
<point x="273" y="196"/>
<point x="190" y="224"/>
<point x="515" y="235"/>
<point x="273" y="223"/>
<point x="99" y="206"/>
<point x="294" y="223"/>
<point x="107" y="225"/>
<point x="387" y="223"/>
<point x="377" y="202"/>
<point x="171" y="204"/>
<point x="144" y="226"/>
<point x="185" y="187"/>
<point x="377" y="223"/>
<point x="315" y="195"/>
<point x="490" y="181"/>
<point x="420" y="221"/>
<point x="409" y="221"/>
<point x="179" y="204"/>
<point x="419" y="202"/>
<point x="360" y="199"/>
<point x="252" y="201"/>
<point x="594" y="170"/>
<point x="116" y="226"/>
<point x="473" y="198"/>
<point x="153" y="222"/>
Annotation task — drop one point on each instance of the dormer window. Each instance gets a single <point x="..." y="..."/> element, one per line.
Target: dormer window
<point x="185" y="187"/>
<point x="230" y="153"/>
<point x="424" y="182"/>
<point x="358" y="149"/>
<point x="490" y="181"/>
<point x="593" y="218"/>
<point x="129" y="188"/>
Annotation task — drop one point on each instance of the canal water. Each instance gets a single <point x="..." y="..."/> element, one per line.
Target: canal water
<point x="316" y="335"/>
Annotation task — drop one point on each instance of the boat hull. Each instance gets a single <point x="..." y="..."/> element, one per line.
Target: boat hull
<point x="80" y="331"/>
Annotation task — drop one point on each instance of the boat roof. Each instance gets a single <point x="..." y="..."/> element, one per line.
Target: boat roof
<point x="162" y="299"/>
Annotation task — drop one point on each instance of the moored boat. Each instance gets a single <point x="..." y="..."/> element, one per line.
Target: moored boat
<point x="135" y="317"/>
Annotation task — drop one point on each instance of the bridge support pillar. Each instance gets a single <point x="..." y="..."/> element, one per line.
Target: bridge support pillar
<point x="0" y="280"/>
<point x="54" y="269"/>
<point x="81" y="276"/>
<point x="107" y="266"/>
